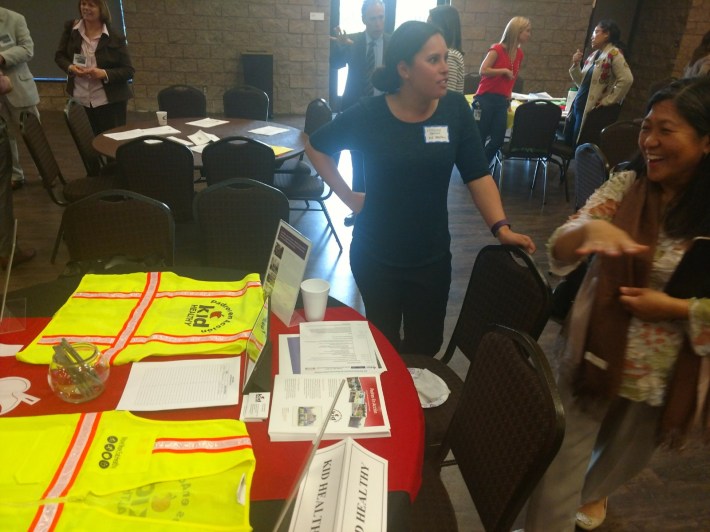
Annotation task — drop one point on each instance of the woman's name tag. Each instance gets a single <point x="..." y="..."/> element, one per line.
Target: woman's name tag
<point x="79" y="60"/>
<point x="436" y="134"/>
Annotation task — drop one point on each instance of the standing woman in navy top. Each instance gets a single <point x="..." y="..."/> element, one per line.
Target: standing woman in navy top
<point x="410" y="138"/>
<point x="95" y="57"/>
<point x="499" y="71"/>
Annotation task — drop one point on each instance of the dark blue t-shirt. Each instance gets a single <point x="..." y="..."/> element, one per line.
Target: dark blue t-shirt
<point x="408" y="167"/>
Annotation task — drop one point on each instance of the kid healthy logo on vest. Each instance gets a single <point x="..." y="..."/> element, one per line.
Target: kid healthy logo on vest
<point x="210" y="317"/>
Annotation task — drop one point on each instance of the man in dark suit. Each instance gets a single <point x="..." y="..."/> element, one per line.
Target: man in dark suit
<point x="16" y="49"/>
<point x="362" y="53"/>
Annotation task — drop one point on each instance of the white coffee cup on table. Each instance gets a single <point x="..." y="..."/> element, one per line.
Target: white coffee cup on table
<point x="162" y="118"/>
<point x="315" y="298"/>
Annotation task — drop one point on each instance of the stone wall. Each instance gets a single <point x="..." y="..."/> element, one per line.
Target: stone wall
<point x="200" y="42"/>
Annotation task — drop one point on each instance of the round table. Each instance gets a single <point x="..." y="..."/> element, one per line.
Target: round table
<point x="292" y="138"/>
<point x="278" y="462"/>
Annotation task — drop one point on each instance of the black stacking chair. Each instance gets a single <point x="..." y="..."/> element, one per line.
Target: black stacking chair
<point x="246" y="101"/>
<point x="592" y="171"/>
<point x="506" y="430"/>
<point x="597" y="119"/>
<point x="61" y="191"/>
<point x="470" y="82"/>
<point x="238" y="219"/>
<point x="506" y="288"/>
<point x="119" y="225"/>
<point x="619" y="142"/>
<point x="160" y="169"/>
<point x="182" y="101"/>
<point x="238" y="157"/>
<point x="534" y="128"/>
<point x="298" y="180"/>
<point x="80" y="129"/>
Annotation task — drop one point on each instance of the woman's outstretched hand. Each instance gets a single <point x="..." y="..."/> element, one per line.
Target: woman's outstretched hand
<point x="605" y="238"/>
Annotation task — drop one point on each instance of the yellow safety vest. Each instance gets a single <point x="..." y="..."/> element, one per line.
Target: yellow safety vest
<point x="115" y="471"/>
<point x="132" y="316"/>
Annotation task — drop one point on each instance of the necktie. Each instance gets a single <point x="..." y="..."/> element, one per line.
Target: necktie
<point x="369" y="68"/>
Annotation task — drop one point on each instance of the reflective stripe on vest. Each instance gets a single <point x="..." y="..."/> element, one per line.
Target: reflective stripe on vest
<point x="133" y="316"/>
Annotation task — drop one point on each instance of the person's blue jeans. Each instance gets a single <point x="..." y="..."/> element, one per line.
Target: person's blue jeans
<point x="493" y="122"/>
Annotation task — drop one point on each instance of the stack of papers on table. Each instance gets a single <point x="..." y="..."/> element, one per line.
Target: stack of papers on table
<point x="135" y="133"/>
<point x="300" y="402"/>
<point x="328" y="347"/>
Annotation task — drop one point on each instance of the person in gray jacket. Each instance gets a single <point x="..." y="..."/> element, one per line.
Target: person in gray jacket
<point x="16" y="50"/>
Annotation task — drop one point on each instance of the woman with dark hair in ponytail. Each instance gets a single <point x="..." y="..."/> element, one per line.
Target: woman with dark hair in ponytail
<point x="604" y="79"/>
<point x="410" y="138"/>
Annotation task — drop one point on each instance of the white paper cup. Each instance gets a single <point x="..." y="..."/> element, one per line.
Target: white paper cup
<point x="315" y="298"/>
<point x="162" y="118"/>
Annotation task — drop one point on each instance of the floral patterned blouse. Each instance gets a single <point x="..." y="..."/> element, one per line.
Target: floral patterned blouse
<point x="652" y="347"/>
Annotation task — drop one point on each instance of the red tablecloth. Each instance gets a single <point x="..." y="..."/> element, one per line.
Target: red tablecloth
<point x="277" y="463"/>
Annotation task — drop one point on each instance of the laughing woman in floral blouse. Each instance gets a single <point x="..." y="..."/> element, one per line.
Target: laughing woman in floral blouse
<point x="634" y="355"/>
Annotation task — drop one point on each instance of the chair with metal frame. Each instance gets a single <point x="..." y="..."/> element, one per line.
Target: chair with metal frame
<point x="118" y="226"/>
<point x="597" y="119"/>
<point x="238" y="157"/>
<point x="534" y="127"/>
<point x="298" y="180"/>
<point x="247" y="102"/>
<point x="592" y="170"/>
<point x="505" y="287"/>
<point x="160" y="169"/>
<point x="506" y="430"/>
<point x="619" y="141"/>
<point x="182" y="101"/>
<point x="238" y="220"/>
<point x="61" y="191"/>
<point x="80" y="129"/>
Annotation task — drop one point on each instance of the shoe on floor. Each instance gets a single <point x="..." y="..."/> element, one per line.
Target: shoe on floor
<point x="20" y="257"/>
<point x="17" y="185"/>
<point x="350" y="220"/>
<point x="597" y="509"/>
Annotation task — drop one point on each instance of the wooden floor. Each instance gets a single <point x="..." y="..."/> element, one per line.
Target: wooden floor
<point x="673" y="493"/>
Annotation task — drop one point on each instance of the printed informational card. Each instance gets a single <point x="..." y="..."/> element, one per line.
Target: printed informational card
<point x="283" y="276"/>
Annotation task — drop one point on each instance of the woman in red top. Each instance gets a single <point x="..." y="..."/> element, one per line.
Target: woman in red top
<point x="499" y="71"/>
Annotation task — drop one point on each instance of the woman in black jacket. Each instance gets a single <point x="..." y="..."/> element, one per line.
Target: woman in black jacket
<point x="95" y="57"/>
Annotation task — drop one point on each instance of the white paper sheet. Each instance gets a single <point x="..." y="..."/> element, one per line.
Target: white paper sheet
<point x="9" y="350"/>
<point x="337" y="346"/>
<point x="200" y="137"/>
<point x="180" y="141"/>
<point x="135" y="133"/>
<point x="207" y="122"/>
<point x="268" y="130"/>
<point x="177" y="384"/>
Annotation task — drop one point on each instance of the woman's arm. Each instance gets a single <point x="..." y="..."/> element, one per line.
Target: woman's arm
<point x="115" y="60"/>
<point x="63" y="57"/>
<point x="487" y="66"/>
<point x="593" y="236"/>
<point x="328" y="170"/>
<point x="486" y="197"/>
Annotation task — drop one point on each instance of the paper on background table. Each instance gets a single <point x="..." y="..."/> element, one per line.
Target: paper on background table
<point x="207" y="122"/>
<point x="135" y="133"/>
<point x="170" y="385"/>
<point x="180" y="141"/>
<point x="268" y="130"/>
<point x="280" y="150"/>
<point x="200" y="137"/>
